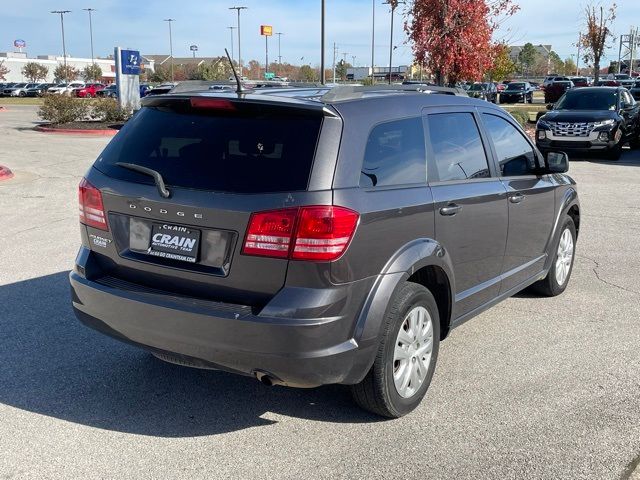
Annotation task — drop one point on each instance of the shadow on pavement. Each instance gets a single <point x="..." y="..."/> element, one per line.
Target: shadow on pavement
<point x="629" y="158"/>
<point x="52" y="365"/>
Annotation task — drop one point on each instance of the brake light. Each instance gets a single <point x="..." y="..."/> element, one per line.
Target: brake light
<point x="91" y="208"/>
<point x="212" y="103"/>
<point x="319" y="233"/>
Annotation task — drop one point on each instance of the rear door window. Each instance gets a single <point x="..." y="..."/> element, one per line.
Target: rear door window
<point x="395" y="154"/>
<point x="256" y="153"/>
<point x="456" y="145"/>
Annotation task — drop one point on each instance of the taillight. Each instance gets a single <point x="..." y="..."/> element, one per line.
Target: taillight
<point x="91" y="207"/>
<point x="319" y="233"/>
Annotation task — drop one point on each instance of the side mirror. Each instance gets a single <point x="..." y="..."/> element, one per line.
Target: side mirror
<point x="557" y="162"/>
<point x="549" y="106"/>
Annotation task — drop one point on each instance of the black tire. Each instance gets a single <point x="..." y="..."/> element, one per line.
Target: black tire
<point x="22" y="94"/>
<point x="530" y="99"/>
<point x="377" y="392"/>
<point x="614" y="153"/>
<point x="549" y="286"/>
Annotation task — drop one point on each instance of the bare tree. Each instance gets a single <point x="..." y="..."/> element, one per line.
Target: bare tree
<point x="598" y="21"/>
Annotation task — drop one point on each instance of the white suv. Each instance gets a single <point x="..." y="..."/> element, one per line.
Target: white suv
<point x="65" y="88"/>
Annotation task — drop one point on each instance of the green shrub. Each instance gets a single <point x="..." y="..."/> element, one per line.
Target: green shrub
<point x="63" y="109"/>
<point x="108" y="110"/>
<point x="521" y="117"/>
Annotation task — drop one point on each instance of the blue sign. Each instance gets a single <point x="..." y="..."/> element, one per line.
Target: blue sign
<point x="130" y="62"/>
<point x="19" y="43"/>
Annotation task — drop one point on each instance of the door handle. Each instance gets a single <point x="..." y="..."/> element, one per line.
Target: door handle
<point x="517" y="198"/>
<point x="450" y="209"/>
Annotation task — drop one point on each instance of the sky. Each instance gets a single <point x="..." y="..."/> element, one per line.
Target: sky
<point x="139" y="25"/>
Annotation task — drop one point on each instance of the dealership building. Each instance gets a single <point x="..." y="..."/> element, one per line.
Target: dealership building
<point x="15" y="61"/>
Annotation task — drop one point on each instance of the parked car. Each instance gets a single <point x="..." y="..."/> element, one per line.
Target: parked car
<point x="65" y="88"/>
<point x="39" y="90"/>
<point x="579" y="81"/>
<point x="484" y="91"/>
<point x="555" y="90"/>
<point x="635" y="90"/>
<point x="306" y="238"/>
<point x="17" y="89"/>
<point x="90" y="90"/>
<point x="554" y="78"/>
<point x="623" y="79"/>
<point x="591" y="119"/>
<point x="161" y="89"/>
<point x="6" y="86"/>
<point x="144" y="89"/>
<point x="517" y="92"/>
<point x="535" y="85"/>
<point x="110" y="91"/>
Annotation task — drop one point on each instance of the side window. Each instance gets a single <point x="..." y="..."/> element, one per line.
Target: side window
<point x="515" y="155"/>
<point x="395" y="154"/>
<point x="627" y="98"/>
<point x="458" y="153"/>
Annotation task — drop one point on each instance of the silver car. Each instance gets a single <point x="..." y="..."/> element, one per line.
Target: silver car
<point x="18" y="90"/>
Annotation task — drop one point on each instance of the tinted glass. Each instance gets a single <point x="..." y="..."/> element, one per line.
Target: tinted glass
<point x="395" y="154"/>
<point x="242" y="154"/>
<point x="516" y="86"/>
<point x="591" y="99"/>
<point x="457" y="148"/>
<point x="515" y="154"/>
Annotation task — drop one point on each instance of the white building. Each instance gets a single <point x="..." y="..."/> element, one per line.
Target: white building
<point x="15" y="61"/>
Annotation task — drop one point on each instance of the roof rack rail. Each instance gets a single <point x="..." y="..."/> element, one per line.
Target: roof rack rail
<point x="353" y="92"/>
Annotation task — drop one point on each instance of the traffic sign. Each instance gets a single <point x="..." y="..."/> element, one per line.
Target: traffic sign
<point x="19" y="43"/>
<point x="266" y="30"/>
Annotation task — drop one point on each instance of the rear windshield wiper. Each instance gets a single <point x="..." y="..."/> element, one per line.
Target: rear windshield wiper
<point x="152" y="173"/>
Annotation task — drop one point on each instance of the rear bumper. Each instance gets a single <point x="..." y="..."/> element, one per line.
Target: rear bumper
<point x="300" y="352"/>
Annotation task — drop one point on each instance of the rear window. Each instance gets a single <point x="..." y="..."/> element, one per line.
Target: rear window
<point x="228" y="153"/>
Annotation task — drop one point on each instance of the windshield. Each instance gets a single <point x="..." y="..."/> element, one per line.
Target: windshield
<point x="61" y="85"/>
<point x="588" y="100"/>
<point x="20" y="85"/>
<point x="478" y="86"/>
<point x="237" y="153"/>
<point x="515" y="86"/>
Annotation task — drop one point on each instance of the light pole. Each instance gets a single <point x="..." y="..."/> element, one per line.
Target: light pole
<point x="231" y="29"/>
<point x="323" y="78"/>
<point x="353" y="60"/>
<point x="90" y="31"/>
<point x="393" y="8"/>
<point x="373" y="39"/>
<point x="170" y="21"/>
<point x="64" y="47"/>
<point x="279" y="51"/>
<point x="239" y="49"/>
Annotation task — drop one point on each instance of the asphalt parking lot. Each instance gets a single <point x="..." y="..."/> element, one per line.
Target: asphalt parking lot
<point x="533" y="388"/>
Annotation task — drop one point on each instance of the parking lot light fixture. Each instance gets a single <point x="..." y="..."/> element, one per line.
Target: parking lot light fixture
<point x="90" y="10"/>
<point x="170" y="21"/>
<point x="239" y="48"/>
<point x="231" y="29"/>
<point x="64" y="47"/>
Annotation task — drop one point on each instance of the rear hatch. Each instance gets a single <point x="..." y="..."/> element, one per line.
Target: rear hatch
<point x="221" y="161"/>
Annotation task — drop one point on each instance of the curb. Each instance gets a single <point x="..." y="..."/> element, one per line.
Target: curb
<point x="5" y="173"/>
<point x="76" y="131"/>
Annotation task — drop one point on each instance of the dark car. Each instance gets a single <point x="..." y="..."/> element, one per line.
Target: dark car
<point x="110" y="91"/>
<point x="7" y="86"/>
<point x="591" y="119"/>
<point x="39" y="90"/>
<point x="635" y="90"/>
<point x="579" y="81"/>
<point x="555" y="90"/>
<point x="517" y="92"/>
<point x="484" y="91"/>
<point x="314" y="236"/>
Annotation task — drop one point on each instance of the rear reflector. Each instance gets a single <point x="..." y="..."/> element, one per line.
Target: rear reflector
<point x="91" y="208"/>
<point x="319" y="233"/>
<point x="212" y="103"/>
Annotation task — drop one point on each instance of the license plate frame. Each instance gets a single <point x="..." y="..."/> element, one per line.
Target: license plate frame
<point x="174" y="242"/>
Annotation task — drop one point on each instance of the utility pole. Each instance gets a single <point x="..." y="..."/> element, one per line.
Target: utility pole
<point x="323" y="78"/>
<point x="373" y="40"/>
<point x="239" y="50"/>
<point x="64" y="47"/>
<point x="231" y="29"/>
<point x="335" y="52"/>
<point x="279" y="51"/>
<point x="170" y="21"/>
<point x="353" y="60"/>
<point x="266" y="55"/>
<point x="91" y="31"/>
<point x="393" y="8"/>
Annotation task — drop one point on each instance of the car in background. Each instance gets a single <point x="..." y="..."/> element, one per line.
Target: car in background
<point x="161" y="89"/>
<point x="6" y="86"/>
<point x="555" y="90"/>
<point x="90" y="90"/>
<point x="484" y="91"/>
<point x="517" y="92"/>
<point x="535" y="85"/>
<point x="635" y="90"/>
<point x="110" y="91"/>
<point x="144" y="89"/>
<point x="554" y="78"/>
<point x="39" y="90"/>
<point x="591" y="119"/>
<point x="65" y="88"/>
<point x="579" y="81"/>
<point x="18" y="90"/>
<point x="624" y="80"/>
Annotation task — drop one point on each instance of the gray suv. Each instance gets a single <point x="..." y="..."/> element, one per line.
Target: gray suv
<point x="315" y="236"/>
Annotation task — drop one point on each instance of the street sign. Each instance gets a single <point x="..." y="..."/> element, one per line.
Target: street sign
<point x="130" y="62"/>
<point x="19" y="43"/>
<point x="266" y="30"/>
<point x="269" y="76"/>
<point x="193" y="48"/>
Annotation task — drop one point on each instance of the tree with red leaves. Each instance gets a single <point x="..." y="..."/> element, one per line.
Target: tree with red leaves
<point x="454" y="37"/>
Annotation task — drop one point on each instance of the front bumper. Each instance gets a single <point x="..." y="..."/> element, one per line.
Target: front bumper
<point x="590" y="143"/>
<point x="299" y="352"/>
